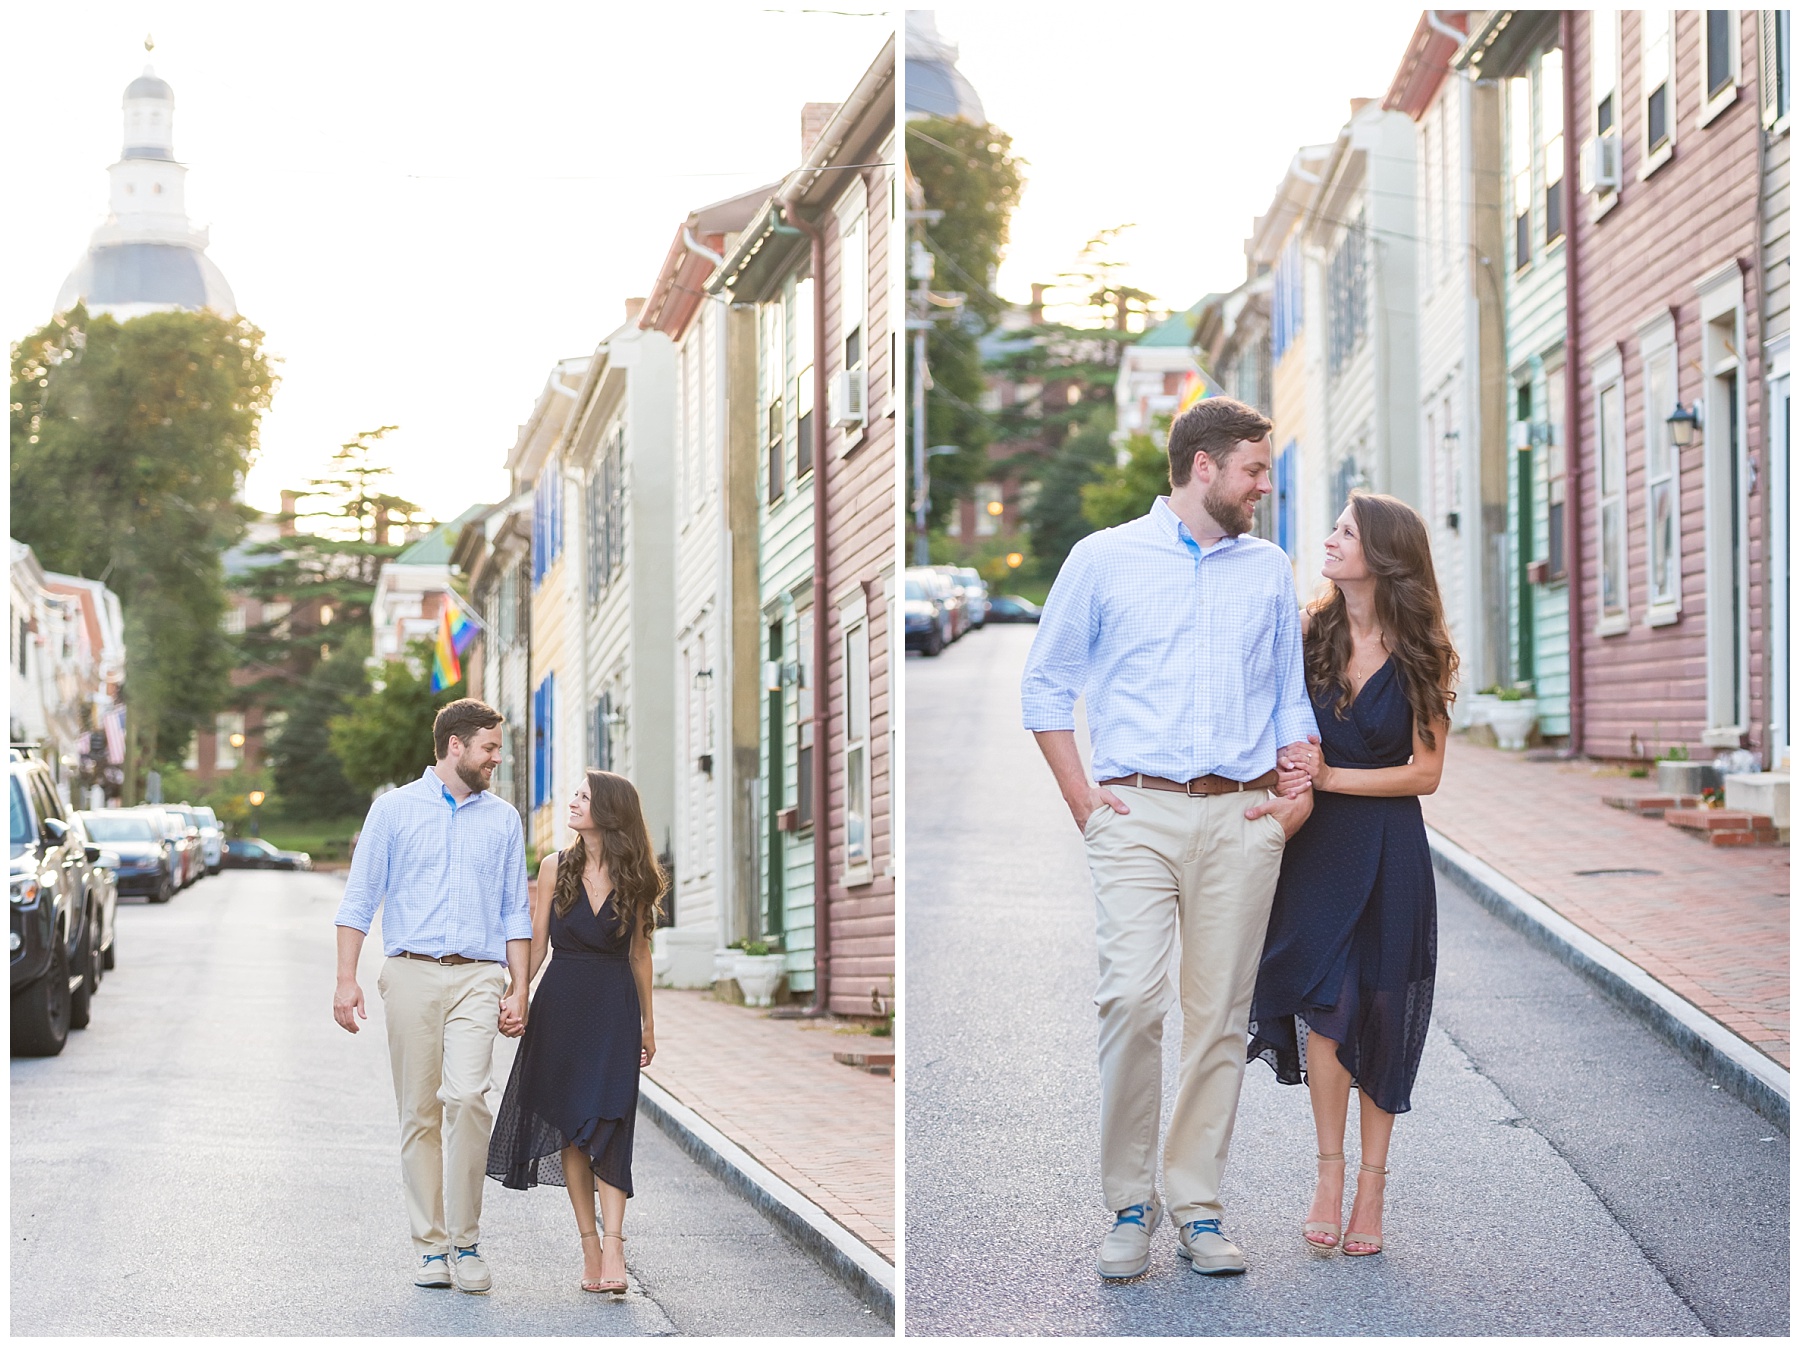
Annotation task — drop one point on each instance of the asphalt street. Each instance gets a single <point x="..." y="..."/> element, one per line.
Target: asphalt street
<point x="1563" y="1171"/>
<point x="215" y="1156"/>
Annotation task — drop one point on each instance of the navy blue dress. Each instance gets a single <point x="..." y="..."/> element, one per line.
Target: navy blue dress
<point x="575" y="1078"/>
<point x="1352" y="944"/>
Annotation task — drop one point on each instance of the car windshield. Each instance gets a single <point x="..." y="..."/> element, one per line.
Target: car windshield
<point x="21" y="819"/>
<point x="118" y="828"/>
<point x="915" y="590"/>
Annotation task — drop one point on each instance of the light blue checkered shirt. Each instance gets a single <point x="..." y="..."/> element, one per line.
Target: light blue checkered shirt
<point x="1189" y="659"/>
<point x="452" y="876"/>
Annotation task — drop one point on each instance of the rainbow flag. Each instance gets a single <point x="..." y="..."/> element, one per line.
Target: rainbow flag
<point x="1194" y="388"/>
<point x="456" y="629"/>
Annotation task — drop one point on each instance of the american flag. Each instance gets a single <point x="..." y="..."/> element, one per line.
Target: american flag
<point x="114" y="725"/>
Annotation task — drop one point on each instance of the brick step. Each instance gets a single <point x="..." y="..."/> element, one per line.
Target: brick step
<point x="875" y="1063"/>
<point x="1652" y="806"/>
<point x="1726" y="827"/>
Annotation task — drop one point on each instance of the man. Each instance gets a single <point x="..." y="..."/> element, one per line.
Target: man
<point x="1183" y="633"/>
<point x="448" y="859"/>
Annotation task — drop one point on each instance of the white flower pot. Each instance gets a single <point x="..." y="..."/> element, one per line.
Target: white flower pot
<point x="758" y="975"/>
<point x="1512" y="722"/>
<point x="724" y="965"/>
<point x="1479" y="709"/>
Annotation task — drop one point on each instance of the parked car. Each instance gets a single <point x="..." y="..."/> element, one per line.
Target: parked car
<point x="181" y="849"/>
<point x="145" y="855"/>
<point x="106" y="874"/>
<point x="924" y="619"/>
<point x="56" y="935"/>
<point x="252" y="853"/>
<point x="212" y="838"/>
<point x="975" y="592"/>
<point x="190" y="823"/>
<point x="1012" y="608"/>
<point x="953" y="618"/>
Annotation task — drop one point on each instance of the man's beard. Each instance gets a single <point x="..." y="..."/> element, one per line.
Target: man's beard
<point x="1234" y="516"/>
<point x="476" y="779"/>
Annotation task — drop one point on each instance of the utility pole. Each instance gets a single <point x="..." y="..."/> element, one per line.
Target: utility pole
<point x="923" y="309"/>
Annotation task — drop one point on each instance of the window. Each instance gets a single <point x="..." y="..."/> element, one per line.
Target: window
<point x="1610" y="454"/>
<point x="546" y="520"/>
<point x="1556" y="483"/>
<point x="599" y="733"/>
<point x="1657" y="87"/>
<point x="1518" y="105"/>
<point x="1285" y="537"/>
<point x="802" y="384"/>
<point x="990" y="509"/>
<point x="853" y="312"/>
<point x="803" y="714"/>
<point x="233" y="622"/>
<point x="606" y="514"/>
<point x="858" y="845"/>
<point x="226" y="755"/>
<point x="1347" y="281"/>
<point x="1719" y="61"/>
<point x="1550" y="86"/>
<point x="1287" y="310"/>
<point x="190" y="757"/>
<point x="1603" y="29"/>
<point x="1662" y="487"/>
<point x="774" y="365"/>
<point x="1773" y="64"/>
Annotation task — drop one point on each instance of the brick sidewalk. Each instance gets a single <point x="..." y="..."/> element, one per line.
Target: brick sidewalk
<point x="773" y="1088"/>
<point x="1711" y="924"/>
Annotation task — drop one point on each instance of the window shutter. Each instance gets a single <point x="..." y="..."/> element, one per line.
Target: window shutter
<point x="1768" y="69"/>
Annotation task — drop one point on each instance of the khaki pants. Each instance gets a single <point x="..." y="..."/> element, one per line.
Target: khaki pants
<point x="441" y="1023"/>
<point x="1194" y="870"/>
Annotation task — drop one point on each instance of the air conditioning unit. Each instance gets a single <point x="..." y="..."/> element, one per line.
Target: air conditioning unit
<point x="1521" y="435"/>
<point x="1600" y="167"/>
<point x="849" y="397"/>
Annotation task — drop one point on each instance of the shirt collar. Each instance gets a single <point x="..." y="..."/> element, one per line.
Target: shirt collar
<point x="430" y="779"/>
<point x="1172" y="525"/>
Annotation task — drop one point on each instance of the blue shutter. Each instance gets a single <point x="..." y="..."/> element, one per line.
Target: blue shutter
<point x="549" y="737"/>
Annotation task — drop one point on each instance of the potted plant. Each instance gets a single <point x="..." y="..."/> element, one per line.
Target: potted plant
<point x="1513" y="715"/>
<point x="1476" y="708"/>
<point x="758" y="968"/>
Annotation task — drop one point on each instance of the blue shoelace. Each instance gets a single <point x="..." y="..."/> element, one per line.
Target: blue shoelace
<point x="1134" y="1215"/>
<point x="1209" y="1227"/>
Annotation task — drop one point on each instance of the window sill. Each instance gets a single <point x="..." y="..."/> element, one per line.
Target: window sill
<point x="1656" y="161"/>
<point x="1616" y="625"/>
<point x="1722" y="101"/>
<point x="858" y="875"/>
<point x="1603" y="203"/>
<point x="1663" y="615"/>
<point x="849" y="445"/>
<point x="1722" y="736"/>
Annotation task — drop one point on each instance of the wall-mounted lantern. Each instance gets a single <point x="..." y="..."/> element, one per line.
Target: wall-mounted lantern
<point x="1683" y="422"/>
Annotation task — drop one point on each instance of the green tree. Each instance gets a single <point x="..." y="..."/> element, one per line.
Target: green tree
<point x="969" y="173"/>
<point x="129" y="441"/>
<point x="384" y="737"/>
<point x="1054" y="515"/>
<point x="307" y="770"/>
<point x="1124" y="491"/>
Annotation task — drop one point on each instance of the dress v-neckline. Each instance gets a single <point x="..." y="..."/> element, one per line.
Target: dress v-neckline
<point x="590" y="902"/>
<point x="1357" y="695"/>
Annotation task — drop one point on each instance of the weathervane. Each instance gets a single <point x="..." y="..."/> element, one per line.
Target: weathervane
<point x="149" y="43"/>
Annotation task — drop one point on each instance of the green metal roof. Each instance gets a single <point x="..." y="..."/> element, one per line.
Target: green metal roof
<point x="1176" y="330"/>
<point x="437" y="547"/>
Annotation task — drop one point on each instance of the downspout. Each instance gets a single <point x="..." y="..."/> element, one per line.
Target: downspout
<point x="1572" y="402"/>
<point x="1761" y="393"/>
<point x="699" y="249"/>
<point x="821" y="764"/>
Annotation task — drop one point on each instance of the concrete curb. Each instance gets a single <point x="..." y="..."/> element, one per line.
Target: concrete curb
<point x="841" y="1253"/>
<point x="1740" y="1068"/>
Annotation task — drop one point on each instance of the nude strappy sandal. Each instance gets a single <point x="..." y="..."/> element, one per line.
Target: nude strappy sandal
<point x="617" y="1287"/>
<point x="1372" y="1240"/>
<point x="1333" y="1228"/>
<point x="595" y="1286"/>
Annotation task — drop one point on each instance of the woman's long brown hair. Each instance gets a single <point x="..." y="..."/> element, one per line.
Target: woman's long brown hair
<point x="638" y="881"/>
<point x="1397" y="549"/>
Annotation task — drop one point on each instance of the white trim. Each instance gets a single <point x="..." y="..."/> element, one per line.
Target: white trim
<point x="1607" y="373"/>
<point x="1712" y="107"/>
<point x="1654" y="160"/>
<point x="1657" y="343"/>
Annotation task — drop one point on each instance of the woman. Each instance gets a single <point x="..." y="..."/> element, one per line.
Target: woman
<point x="569" y="1106"/>
<point x="1344" y="991"/>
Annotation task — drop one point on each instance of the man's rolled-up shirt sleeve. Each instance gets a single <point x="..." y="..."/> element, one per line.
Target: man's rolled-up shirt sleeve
<point x="515" y="899"/>
<point x="1294" y="719"/>
<point x="368" y="881"/>
<point x="1056" y="670"/>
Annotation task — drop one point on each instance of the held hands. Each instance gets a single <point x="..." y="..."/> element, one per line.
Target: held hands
<point x="347" y="1004"/>
<point x="1299" y="767"/>
<point x="1083" y="808"/>
<point x="648" y="1051"/>
<point x="514" y="1007"/>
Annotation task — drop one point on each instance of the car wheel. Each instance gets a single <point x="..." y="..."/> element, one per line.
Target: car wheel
<point x="109" y="959"/>
<point x="165" y="892"/>
<point x="81" y="1000"/>
<point x="934" y="646"/>
<point x="40" y="1013"/>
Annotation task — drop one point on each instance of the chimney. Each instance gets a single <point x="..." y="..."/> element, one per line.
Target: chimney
<point x="1358" y="104"/>
<point x="633" y="307"/>
<point x="290" y="505"/>
<point x="1036" y="311"/>
<point x="813" y="117"/>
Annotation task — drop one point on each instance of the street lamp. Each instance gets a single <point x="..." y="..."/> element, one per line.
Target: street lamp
<point x="1683" y="422"/>
<point x="237" y="739"/>
<point x="256" y="798"/>
<point x="922" y="494"/>
<point x="996" y="508"/>
<point x="1015" y="559"/>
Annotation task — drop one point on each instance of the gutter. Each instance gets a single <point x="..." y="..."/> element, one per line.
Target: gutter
<point x="699" y="249"/>
<point x="1572" y="407"/>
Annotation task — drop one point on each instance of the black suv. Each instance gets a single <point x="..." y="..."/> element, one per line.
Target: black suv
<point x="55" y="914"/>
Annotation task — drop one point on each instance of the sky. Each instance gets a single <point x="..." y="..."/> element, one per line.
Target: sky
<point x="1180" y="119"/>
<point x="422" y="206"/>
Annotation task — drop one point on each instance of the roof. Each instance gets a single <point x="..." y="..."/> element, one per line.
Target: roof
<point x="178" y="275"/>
<point x="437" y="547"/>
<point x="681" y="283"/>
<point x="1425" y="64"/>
<point x="148" y="85"/>
<point x="934" y="86"/>
<point x="1175" y="330"/>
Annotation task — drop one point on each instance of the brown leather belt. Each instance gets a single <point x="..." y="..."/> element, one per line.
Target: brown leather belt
<point x="1200" y="785"/>
<point x="451" y="959"/>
